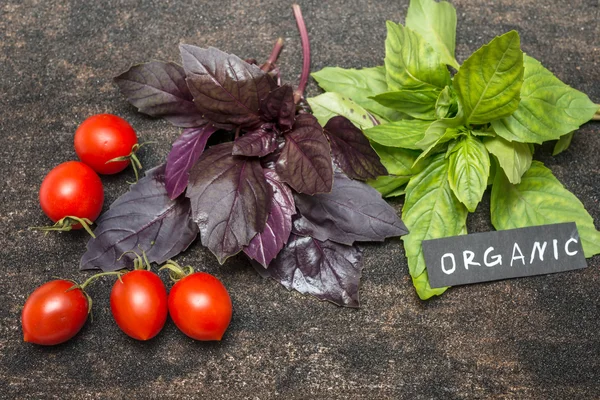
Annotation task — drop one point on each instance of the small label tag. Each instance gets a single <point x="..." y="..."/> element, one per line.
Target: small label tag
<point x="490" y="256"/>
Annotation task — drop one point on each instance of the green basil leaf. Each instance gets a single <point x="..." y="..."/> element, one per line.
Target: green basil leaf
<point x="404" y="133"/>
<point x="436" y="22"/>
<point x="398" y="161"/>
<point x="439" y="144"/>
<point x="468" y="170"/>
<point x="489" y="82"/>
<point x="514" y="157"/>
<point x="563" y="143"/>
<point x="328" y="105"/>
<point x="446" y="105"/>
<point x="389" y="185"/>
<point x="416" y="103"/>
<point x="430" y="211"/>
<point x="548" y="110"/>
<point x="540" y="199"/>
<point x="410" y="62"/>
<point x="424" y="290"/>
<point x="358" y="85"/>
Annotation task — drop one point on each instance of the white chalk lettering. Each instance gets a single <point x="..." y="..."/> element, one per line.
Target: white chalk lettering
<point x="555" y="245"/>
<point x="451" y="270"/>
<point x="540" y="249"/>
<point x="497" y="259"/>
<point x="570" y="253"/>
<point x="468" y="257"/>
<point x="521" y="256"/>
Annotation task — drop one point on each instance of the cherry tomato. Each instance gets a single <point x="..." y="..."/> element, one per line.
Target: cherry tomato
<point x="139" y="304"/>
<point x="104" y="137"/>
<point x="72" y="189"/>
<point x="200" y="306"/>
<point x="54" y="314"/>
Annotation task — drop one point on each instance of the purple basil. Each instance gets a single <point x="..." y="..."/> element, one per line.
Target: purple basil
<point x="226" y="89"/>
<point x="279" y="107"/>
<point x="327" y="270"/>
<point x="186" y="150"/>
<point x="353" y="211"/>
<point x="351" y="150"/>
<point x="265" y="246"/>
<point x="305" y="161"/>
<point x="230" y="200"/>
<point x="159" y="89"/>
<point x="143" y="219"/>
<point x="257" y="143"/>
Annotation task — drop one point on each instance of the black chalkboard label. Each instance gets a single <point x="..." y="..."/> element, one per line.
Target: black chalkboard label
<point x="514" y="253"/>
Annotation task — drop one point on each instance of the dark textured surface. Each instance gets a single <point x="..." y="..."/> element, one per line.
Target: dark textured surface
<point x="529" y="338"/>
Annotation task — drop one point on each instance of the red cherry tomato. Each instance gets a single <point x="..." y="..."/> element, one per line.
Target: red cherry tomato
<point x="54" y="314"/>
<point x="200" y="306"/>
<point x="104" y="137"/>
<point x="72" y="189"/>
<point x="139" y="304"/>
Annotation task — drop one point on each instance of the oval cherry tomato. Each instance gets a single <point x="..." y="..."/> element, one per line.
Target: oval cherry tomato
<point x="54" y="314"/>
<point x="72" y="189"/>
<point x="200" y="306"/>
<point x="138" y="302"/>
<point x="104" y="137"/>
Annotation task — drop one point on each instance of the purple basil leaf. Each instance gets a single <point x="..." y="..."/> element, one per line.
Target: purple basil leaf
<point x="305" y="161"/>
<point x="145" y="218"/>
<point x="226" y="89"/>
<point x="279" y="107"/>
<point x="265" y="246"/>
<point x="186" y="150"/>
<point x="353" y="211"/>
<point x="351" y="150"/>
<point x="159" y="89"/>
<point x="230" y="200"/>
<point x="327" y="270"/>
<point x="256" y="143"/>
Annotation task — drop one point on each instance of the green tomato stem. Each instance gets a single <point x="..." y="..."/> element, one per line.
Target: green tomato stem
<point x="66" y="224"/>
<point x="176" y="271"/>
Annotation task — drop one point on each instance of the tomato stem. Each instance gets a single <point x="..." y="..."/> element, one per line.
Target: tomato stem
<point x="66" y="224"/>
<point x="133" y="158"/>
<point x="274" y="55"/>
<point x="138" y="261"/>
<point x="299" y="92"/>
<point x="176" y="271"/>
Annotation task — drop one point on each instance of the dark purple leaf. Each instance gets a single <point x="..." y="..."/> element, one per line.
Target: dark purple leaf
<point x="145" y="218"/>
<point x="256" y="143"/>
<point x="159" y="89"/>
<point x="230" y="200"/>
<point x="351" y="150"/>
<point x="279" y="107"/>
<point x="305" y="161"/>
<point x="327" y="270"/>
<point x="265" y="246"/>
<point x="353" y="211"/>
<point x="226" y="89"/>
<point x="186" y="150"/>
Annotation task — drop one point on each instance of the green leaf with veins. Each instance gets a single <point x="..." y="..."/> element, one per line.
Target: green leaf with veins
<point x="563" y="143"/>
<point x="410" y="62"/>
<point x="436" y="22"/>
<point x="538" y="200"/>
<point x="468" y="170"/>
<point x="328" y="105"/>
<point x="446" y="105"/>
<point x="416" y="103"/>
<point x="489" y="83"/>
<point x="398" y="161"/>
<point x="440" y="144"/>
<point x="430" y="211"/>
<point x="548" y="110"/>
<point x="404" y="133"/>
<point x="514" y="157"/>
<point x="358" y="85"/>
<point x="389" y="185"/>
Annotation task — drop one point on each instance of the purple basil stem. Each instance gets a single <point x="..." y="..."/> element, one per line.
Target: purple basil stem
<point x="226" y="89"/>
<point x="159" y="89"/>
<point x="265" y="246"/>
<point x="305" y="161"/>
<point x="186" y="150"/>
<point x="230" y="200"/>
<point x="353" y="211"/>
<point x="257" y="143"/>
<point x="143" y="219"/>
<point x="351" y="150"/>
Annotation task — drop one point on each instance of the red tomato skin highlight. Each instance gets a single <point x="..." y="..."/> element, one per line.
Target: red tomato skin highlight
<point x="72" y="189"/>
<point x="200" y="306"/>
<point x="139" y="304"/>
<point x="101" y="138"/>
<point x="53" y="315"/>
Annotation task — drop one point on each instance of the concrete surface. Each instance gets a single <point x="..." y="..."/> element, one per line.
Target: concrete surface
<point x="528" y="338"/>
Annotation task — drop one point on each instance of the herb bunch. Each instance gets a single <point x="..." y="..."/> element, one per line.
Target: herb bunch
<point x="444" y="139"/>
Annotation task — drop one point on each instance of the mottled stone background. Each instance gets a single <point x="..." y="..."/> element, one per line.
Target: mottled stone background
<point x="528" y="338"/>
